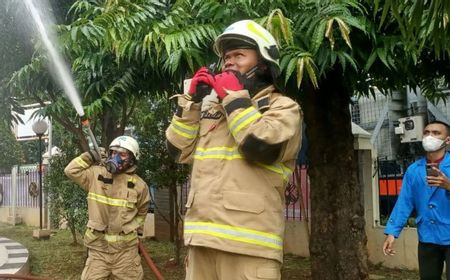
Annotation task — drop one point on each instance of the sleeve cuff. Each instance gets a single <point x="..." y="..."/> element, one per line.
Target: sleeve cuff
<point x="236" y="100"/>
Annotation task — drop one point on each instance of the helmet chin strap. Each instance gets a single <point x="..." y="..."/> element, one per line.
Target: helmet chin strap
<point x="256" y="79"/>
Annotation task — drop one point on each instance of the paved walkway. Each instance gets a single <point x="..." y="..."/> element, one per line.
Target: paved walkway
<point x="13" y="257"/>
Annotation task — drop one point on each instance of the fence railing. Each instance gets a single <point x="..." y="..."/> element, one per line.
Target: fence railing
<point x="26" y="179"/>
<point x="297" y="195"/>
<point x="297" y="203"/>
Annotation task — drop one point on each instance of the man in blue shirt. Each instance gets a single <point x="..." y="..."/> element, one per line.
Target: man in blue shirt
<point x="426" y="189"/>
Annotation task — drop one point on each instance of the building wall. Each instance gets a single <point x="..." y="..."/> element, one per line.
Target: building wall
<point x="28" y="216"/>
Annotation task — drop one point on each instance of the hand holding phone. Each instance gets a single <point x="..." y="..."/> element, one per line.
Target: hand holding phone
<point x="431" y="171"/>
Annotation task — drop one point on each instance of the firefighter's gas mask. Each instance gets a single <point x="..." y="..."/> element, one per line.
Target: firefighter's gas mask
<point x="118" y="161"/>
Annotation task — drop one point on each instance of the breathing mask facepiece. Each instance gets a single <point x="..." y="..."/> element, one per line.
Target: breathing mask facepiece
<point x="115" y="164"/>
<point x="432" y="144"/>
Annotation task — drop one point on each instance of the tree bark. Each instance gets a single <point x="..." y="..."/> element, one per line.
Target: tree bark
<point x="338" y="239"/>
<point x="74" y="233"/>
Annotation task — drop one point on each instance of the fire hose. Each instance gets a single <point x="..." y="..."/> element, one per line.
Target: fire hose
<point x="145" y="255"/>
<point x="149" y="261"/>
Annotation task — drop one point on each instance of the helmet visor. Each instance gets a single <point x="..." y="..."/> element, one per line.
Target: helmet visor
<point x="230" y="42"/>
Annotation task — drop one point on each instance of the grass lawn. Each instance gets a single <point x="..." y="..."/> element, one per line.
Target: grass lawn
<point x="56" y="258"/>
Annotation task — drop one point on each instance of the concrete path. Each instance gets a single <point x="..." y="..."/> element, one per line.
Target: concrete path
<point x="13" y="257"/>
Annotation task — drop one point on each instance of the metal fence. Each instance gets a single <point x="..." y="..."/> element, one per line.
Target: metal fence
<point x="297" y="195"/>
<point x="26" y="179"/>
<point x="297" y="203"/>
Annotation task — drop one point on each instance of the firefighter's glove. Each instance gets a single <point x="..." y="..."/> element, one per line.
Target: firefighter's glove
<point x="201" y="84"/>
<point x="98" y="157"/>
<point x="229" y="80"/>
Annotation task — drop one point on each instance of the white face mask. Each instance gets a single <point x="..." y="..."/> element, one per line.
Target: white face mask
<point x="432" y="144"/>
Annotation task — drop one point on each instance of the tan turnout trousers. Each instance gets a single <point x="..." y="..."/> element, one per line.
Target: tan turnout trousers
<point x="210" y="264"/>
<point x="124" y="265"/>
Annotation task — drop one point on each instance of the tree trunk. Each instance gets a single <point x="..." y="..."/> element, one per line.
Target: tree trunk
<point x="174" y="222"/>
<point x="338" y="239"/>
<point x="176" y="226"/>
<point x="74" y="233"/>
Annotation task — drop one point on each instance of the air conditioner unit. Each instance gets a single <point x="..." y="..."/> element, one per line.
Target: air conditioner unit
<point x="410" y="129"/>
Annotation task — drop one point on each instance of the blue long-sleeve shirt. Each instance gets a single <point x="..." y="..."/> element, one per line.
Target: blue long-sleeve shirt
<point x="432" y="205"/>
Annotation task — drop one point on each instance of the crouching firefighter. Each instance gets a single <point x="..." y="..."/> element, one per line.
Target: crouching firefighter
<point x="118" y="200"/>
<point x="242" y="149"/>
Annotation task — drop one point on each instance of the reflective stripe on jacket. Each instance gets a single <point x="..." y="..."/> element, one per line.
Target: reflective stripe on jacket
<point x="236" y="204"/>
<point x="117" y="204"/>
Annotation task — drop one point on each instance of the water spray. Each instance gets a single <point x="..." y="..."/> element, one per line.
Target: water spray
<point x="65" y="80"/>
<point x="67" y="83"/>
<point x="62" y="70"/>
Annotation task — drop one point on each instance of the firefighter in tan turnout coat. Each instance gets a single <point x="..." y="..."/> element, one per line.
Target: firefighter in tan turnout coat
<point x="243" y="148"/>
<point x="117" y="204"/>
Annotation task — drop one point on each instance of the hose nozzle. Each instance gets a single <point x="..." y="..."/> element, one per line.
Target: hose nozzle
<point x="84" y="121"/>
<point x="85" y="124"/>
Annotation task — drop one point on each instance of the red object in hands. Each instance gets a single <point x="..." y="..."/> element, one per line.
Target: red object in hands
<point x="200" y="84"/>
<point x="227" y="80"/>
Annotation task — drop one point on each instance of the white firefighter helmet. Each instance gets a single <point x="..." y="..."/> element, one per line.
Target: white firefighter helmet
<point x="126" y="142"/>
<point x="250" y="33"/>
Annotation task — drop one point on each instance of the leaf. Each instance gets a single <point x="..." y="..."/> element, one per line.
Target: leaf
<point x="311" y="72"/>
<point x="290" y="68"/>
<point x="345" y="31"/>
<point x="318" y="35"/>
<point x="329" y="32"/>
<point x="300" y="70"/>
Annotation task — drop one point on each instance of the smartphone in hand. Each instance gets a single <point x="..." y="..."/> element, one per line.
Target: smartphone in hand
<point x="431" y="171"/>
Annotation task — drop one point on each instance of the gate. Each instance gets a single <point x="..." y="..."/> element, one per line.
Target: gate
<point x="20" y="188"/>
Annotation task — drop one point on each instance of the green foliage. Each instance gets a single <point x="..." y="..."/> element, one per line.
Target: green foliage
<point x="423" y="24"/>
<point x="67" y="200"/>
<point x="10" y="149"/>
<point x="150" y="123"/>
<point x="15" y="51"/>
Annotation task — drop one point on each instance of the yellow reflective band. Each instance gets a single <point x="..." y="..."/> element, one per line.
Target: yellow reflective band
<point x="239" y="116"/>
<point x="231" y="153"/>
<point x="192" y="128"/>
<point x="235" y="233"/>
<point x="277" y="168"/>
<point x="81" y="162"/>
<point x="139" y="220"/>
<point x="286" y="170"/>
<point x="110" y="201"/>
<point x="243" y="119"/>
<point x="246" y="122"/>
<point x="254" y="30"/>
<point x="184" y="130"/>
<point x="132" y="180"/>
<point x="89" y="234"/>
<point x="227" y="153"/>
<point x="117" y="238"/>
